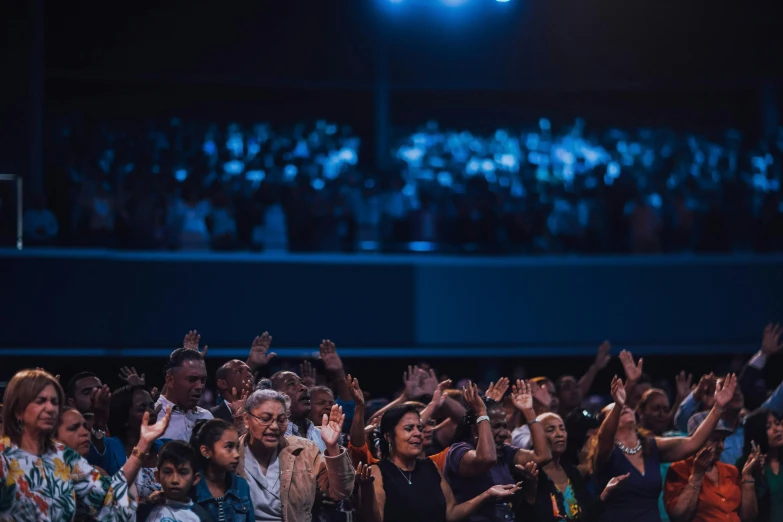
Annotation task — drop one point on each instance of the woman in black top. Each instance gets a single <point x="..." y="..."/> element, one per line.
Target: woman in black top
<point x="409" y="489"/>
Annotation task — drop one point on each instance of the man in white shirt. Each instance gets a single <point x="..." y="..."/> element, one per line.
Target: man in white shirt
<point x="186" y="376"/>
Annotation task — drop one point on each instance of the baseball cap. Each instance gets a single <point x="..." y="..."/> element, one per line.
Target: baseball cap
<point x="697" y="418"/>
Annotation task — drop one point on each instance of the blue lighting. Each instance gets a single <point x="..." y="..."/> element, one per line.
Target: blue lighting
<point x="503" y="1"/>
<point x="454" y="3"/>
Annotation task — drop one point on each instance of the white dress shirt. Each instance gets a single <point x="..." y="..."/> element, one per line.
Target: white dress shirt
<point x="182" y="422"/>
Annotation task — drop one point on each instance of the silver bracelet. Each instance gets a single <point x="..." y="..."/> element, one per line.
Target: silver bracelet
<point x="482" y="418"/>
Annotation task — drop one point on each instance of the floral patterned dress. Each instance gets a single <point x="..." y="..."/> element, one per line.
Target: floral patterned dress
<point x="46" y="488"/>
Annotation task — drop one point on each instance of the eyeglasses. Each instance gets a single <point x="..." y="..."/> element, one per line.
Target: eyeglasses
<point x="282" y="420"/>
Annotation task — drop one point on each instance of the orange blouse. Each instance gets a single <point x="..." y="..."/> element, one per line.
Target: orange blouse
<point x="362" y="454"/>
<point x="717" y="502"/>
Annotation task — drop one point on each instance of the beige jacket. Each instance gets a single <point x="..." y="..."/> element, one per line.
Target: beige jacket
<point x="302" y="469"/>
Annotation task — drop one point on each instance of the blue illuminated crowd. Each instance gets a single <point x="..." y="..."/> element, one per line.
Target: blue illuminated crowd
<point x="284" y="443"/>
<point x="170" y="185"/>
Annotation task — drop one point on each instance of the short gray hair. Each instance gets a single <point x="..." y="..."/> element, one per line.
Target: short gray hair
<point x="259" y="397"/>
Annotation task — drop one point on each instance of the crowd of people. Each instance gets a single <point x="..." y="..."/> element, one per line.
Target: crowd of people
<point x="299" y="446"/>
<point x="183" y="185"/>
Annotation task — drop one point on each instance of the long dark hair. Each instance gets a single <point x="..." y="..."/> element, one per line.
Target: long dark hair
<point x="120" y="405"/>
<point x="577" y="424"/>
<point x="756" y="431"/>
<point x="389" y="421"/>
<point x="207" y="433"/>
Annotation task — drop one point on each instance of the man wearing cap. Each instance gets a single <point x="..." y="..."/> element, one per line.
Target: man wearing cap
<point x="732" y="417"/>
<point x="727" y="495"/>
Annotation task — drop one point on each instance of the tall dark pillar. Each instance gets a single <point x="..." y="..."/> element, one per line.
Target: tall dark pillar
<point x="35" y="96"/>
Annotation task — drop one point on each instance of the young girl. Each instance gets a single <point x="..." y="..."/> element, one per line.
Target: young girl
<point x="221" y="491"/>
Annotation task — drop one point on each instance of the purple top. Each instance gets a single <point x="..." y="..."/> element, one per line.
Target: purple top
<point x="465" y="488"/>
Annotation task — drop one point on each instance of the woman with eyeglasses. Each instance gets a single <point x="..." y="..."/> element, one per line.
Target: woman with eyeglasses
<point x="282" y="471"/>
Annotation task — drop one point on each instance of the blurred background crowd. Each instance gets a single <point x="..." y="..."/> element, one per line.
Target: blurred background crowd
<point x="179" y="184"/>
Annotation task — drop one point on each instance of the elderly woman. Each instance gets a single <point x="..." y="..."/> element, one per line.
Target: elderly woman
<point x="724" y="495"/>
<point x="407" y="488"/>
<point x="282" y="471"/>
<point x="43" y="480"/>
<point x="620" y="448"/>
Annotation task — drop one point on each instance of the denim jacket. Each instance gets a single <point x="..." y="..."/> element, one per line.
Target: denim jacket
<point x="236" y="503"/>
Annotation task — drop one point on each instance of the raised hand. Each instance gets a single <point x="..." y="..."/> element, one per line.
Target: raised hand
<point x="529" y="472"/>
<point x="308" y="374"/>
<point x="356" y="392"/>
<point x="191" y="342"/>
<point x="632" y="371"/>
<point x="703" y="461"/>
<point x="603" y="355"/>
<point x="439" y="396"/>
<point x="473" y="399"/>
<point x="259" y="351"/>
<point x="504" y="491"/>
<point x="496" y="392"/>
<point x="618" y="392"/>
<point x="522" y="396"/>
<point x="150" y="432"/>
<point x="100" y="399"/>
<point x="754" y="464"/>
<point x="683" y="384"/>
<point x="329" y="356"/>
<point x="612" y="485"/>
<point x="131" y="376"/>
<point x="429" y="383"/>
<point x="724" y="391"/>
<point x="237" y="402"/>
<point x="154" y="393"/>
<point x="412" y="380"/>
<point x="770" y="340"/>
<point x="541" y="394"/>
<point x="331" y="427"/>
<point x="363" y="475"/>
<point x="705" y="390"/>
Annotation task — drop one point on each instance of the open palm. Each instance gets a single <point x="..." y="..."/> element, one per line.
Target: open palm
<point x="332" y="426"/>
<point x="152" y="432"/>
<point x="724" y="391"/>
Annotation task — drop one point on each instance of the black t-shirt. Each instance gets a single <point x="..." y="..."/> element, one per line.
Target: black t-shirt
<point x="421" y="500"/>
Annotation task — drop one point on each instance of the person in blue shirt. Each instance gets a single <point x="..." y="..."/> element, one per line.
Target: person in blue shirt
<point x="221" y="491"/>
<point x="688" y="413"/>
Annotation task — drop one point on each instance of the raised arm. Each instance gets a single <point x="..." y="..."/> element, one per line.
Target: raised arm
<point x="608" y="429"/>
<point x="602" y="358"/>
<point x="334" y="473"/>
<point x="672" y="449"/>
<point x="437" y="402"/>
<point x="683" y="390"/>
<point x="478" y="461"/>
<point x="259" y="356"/>
<point x="334" y="369"/>
<point x="633" y="371"/>
<point x="522" y="396"/>
<point x="357" y="436"/>
<point x="749" y="507"/>
<point x="369" y="480"/>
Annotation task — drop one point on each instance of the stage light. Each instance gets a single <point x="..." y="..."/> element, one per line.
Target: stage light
<point x="503" y="1"/>
<point x="454" y="3"/>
